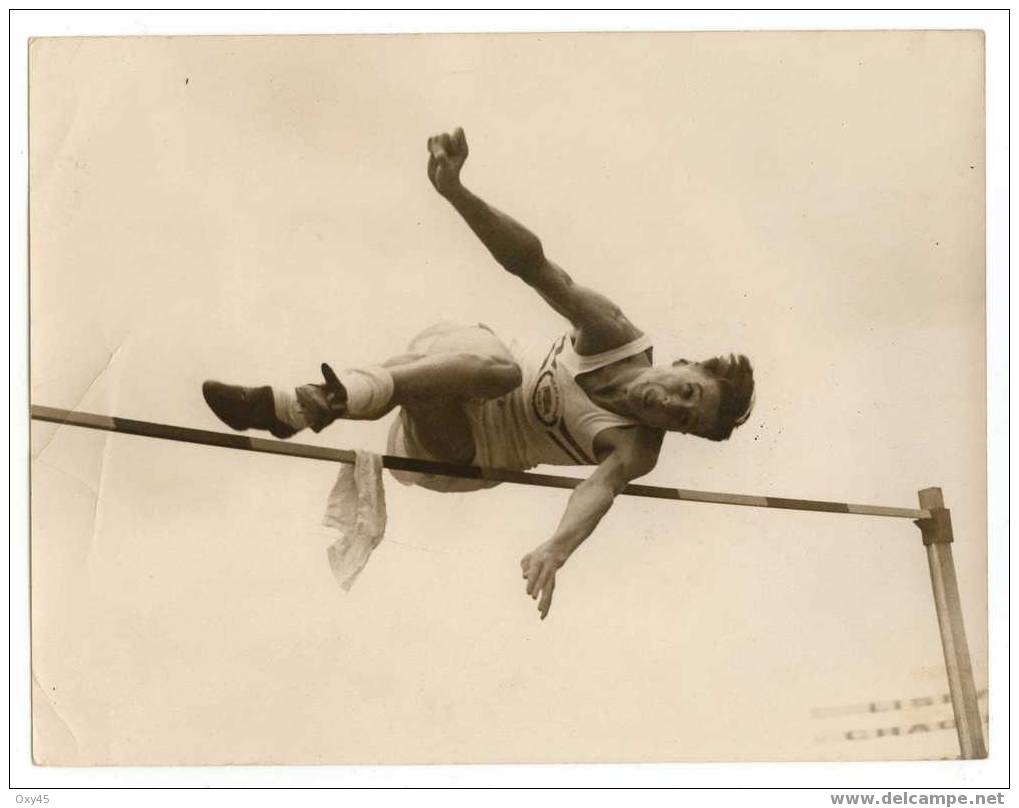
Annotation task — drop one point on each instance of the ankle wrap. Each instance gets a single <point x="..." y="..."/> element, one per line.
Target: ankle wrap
<point x="369" y="391"/>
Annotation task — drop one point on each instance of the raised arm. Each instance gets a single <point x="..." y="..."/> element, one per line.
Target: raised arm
<point x="519" y="251"/>
<point x="626" y="454"/>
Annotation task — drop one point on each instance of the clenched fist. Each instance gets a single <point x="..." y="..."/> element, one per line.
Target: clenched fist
<point x="446" y="156"/>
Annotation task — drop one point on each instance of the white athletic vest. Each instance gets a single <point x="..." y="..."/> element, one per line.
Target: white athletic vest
<point x="549" y="418"/>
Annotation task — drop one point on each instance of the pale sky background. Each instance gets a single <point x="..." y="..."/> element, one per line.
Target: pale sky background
<point x="243" y="209"/>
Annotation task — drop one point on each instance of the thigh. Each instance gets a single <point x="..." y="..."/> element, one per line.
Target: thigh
<point x="441" y="429"/>
<point x="402" y="443"/>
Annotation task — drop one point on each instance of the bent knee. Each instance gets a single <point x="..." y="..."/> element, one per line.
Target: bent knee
<point x="495" y="374"/>
<point x="509" y="372"/>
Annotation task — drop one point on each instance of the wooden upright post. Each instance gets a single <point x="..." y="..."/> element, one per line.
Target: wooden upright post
<point x="937" y="538"/>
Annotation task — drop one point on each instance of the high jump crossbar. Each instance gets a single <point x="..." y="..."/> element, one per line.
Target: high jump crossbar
<point x="933" y="519"/>
<point x="232" y="441"/>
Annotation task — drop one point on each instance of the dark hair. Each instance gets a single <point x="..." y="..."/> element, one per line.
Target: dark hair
<point x="735" y="377"/>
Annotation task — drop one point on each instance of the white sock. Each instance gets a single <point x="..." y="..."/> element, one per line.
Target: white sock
<point x="288" y="410"/>
<point x="369" y="390"/>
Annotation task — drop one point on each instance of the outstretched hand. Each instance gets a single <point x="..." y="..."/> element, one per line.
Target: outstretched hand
<point x="446" y="156"/>
<point x="539" y="567"/>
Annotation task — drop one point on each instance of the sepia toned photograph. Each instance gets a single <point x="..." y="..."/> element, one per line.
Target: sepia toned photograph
<point x="508" y="398"/>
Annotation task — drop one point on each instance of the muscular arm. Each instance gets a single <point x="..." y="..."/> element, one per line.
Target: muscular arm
<point x="515" y="247"/>
<point x="520" y="252"/>
<point x="630" y="453"/>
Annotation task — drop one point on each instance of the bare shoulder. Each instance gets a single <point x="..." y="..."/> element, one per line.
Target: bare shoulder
<point x="599" y="323"/>
<point x="637" y="447"/>
<point x="604" y="332"/>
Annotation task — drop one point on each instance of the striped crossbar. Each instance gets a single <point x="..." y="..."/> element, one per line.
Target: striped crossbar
<point x="128" y="426"/>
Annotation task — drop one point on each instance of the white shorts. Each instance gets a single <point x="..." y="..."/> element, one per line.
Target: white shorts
<point x="445" y="338"/>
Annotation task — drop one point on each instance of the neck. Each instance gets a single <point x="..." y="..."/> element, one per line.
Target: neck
<point x="610" y="392"/>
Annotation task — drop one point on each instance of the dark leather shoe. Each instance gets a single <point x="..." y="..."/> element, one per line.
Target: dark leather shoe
<point x="244" y="408"/>
<point x="323" y="403"/>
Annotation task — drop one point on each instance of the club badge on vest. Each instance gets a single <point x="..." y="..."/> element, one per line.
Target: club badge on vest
<point x="547" y="404"/>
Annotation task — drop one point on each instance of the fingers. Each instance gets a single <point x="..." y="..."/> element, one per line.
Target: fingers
<point x="533" y="576"/>
<point x="435" y="147"/>
<point x="546" y="598"/>
<point x="446" y="145"/>
<point x="546" y="578"/>
<point x="539" y="570"/>
<point x="540" y="583"/>
<point x="460" y="141"/>
<point x="527" y="571"/>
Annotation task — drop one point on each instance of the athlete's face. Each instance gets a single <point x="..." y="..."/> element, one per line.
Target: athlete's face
<point x="679" y="398"/>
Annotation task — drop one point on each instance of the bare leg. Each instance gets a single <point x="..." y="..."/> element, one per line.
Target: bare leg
<point x="453" y="362"/>
<point x="446" y="365"/>
<point x="446" y="376"/>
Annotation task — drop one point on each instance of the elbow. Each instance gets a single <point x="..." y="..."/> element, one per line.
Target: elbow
<point x="604" y="490"/>
<point x="526" y="260"/>
<point x="617" y="486"/>
<point x="616" y="476"/>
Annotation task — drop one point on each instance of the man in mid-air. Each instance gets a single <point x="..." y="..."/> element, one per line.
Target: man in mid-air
<point x="593" y="398"/>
